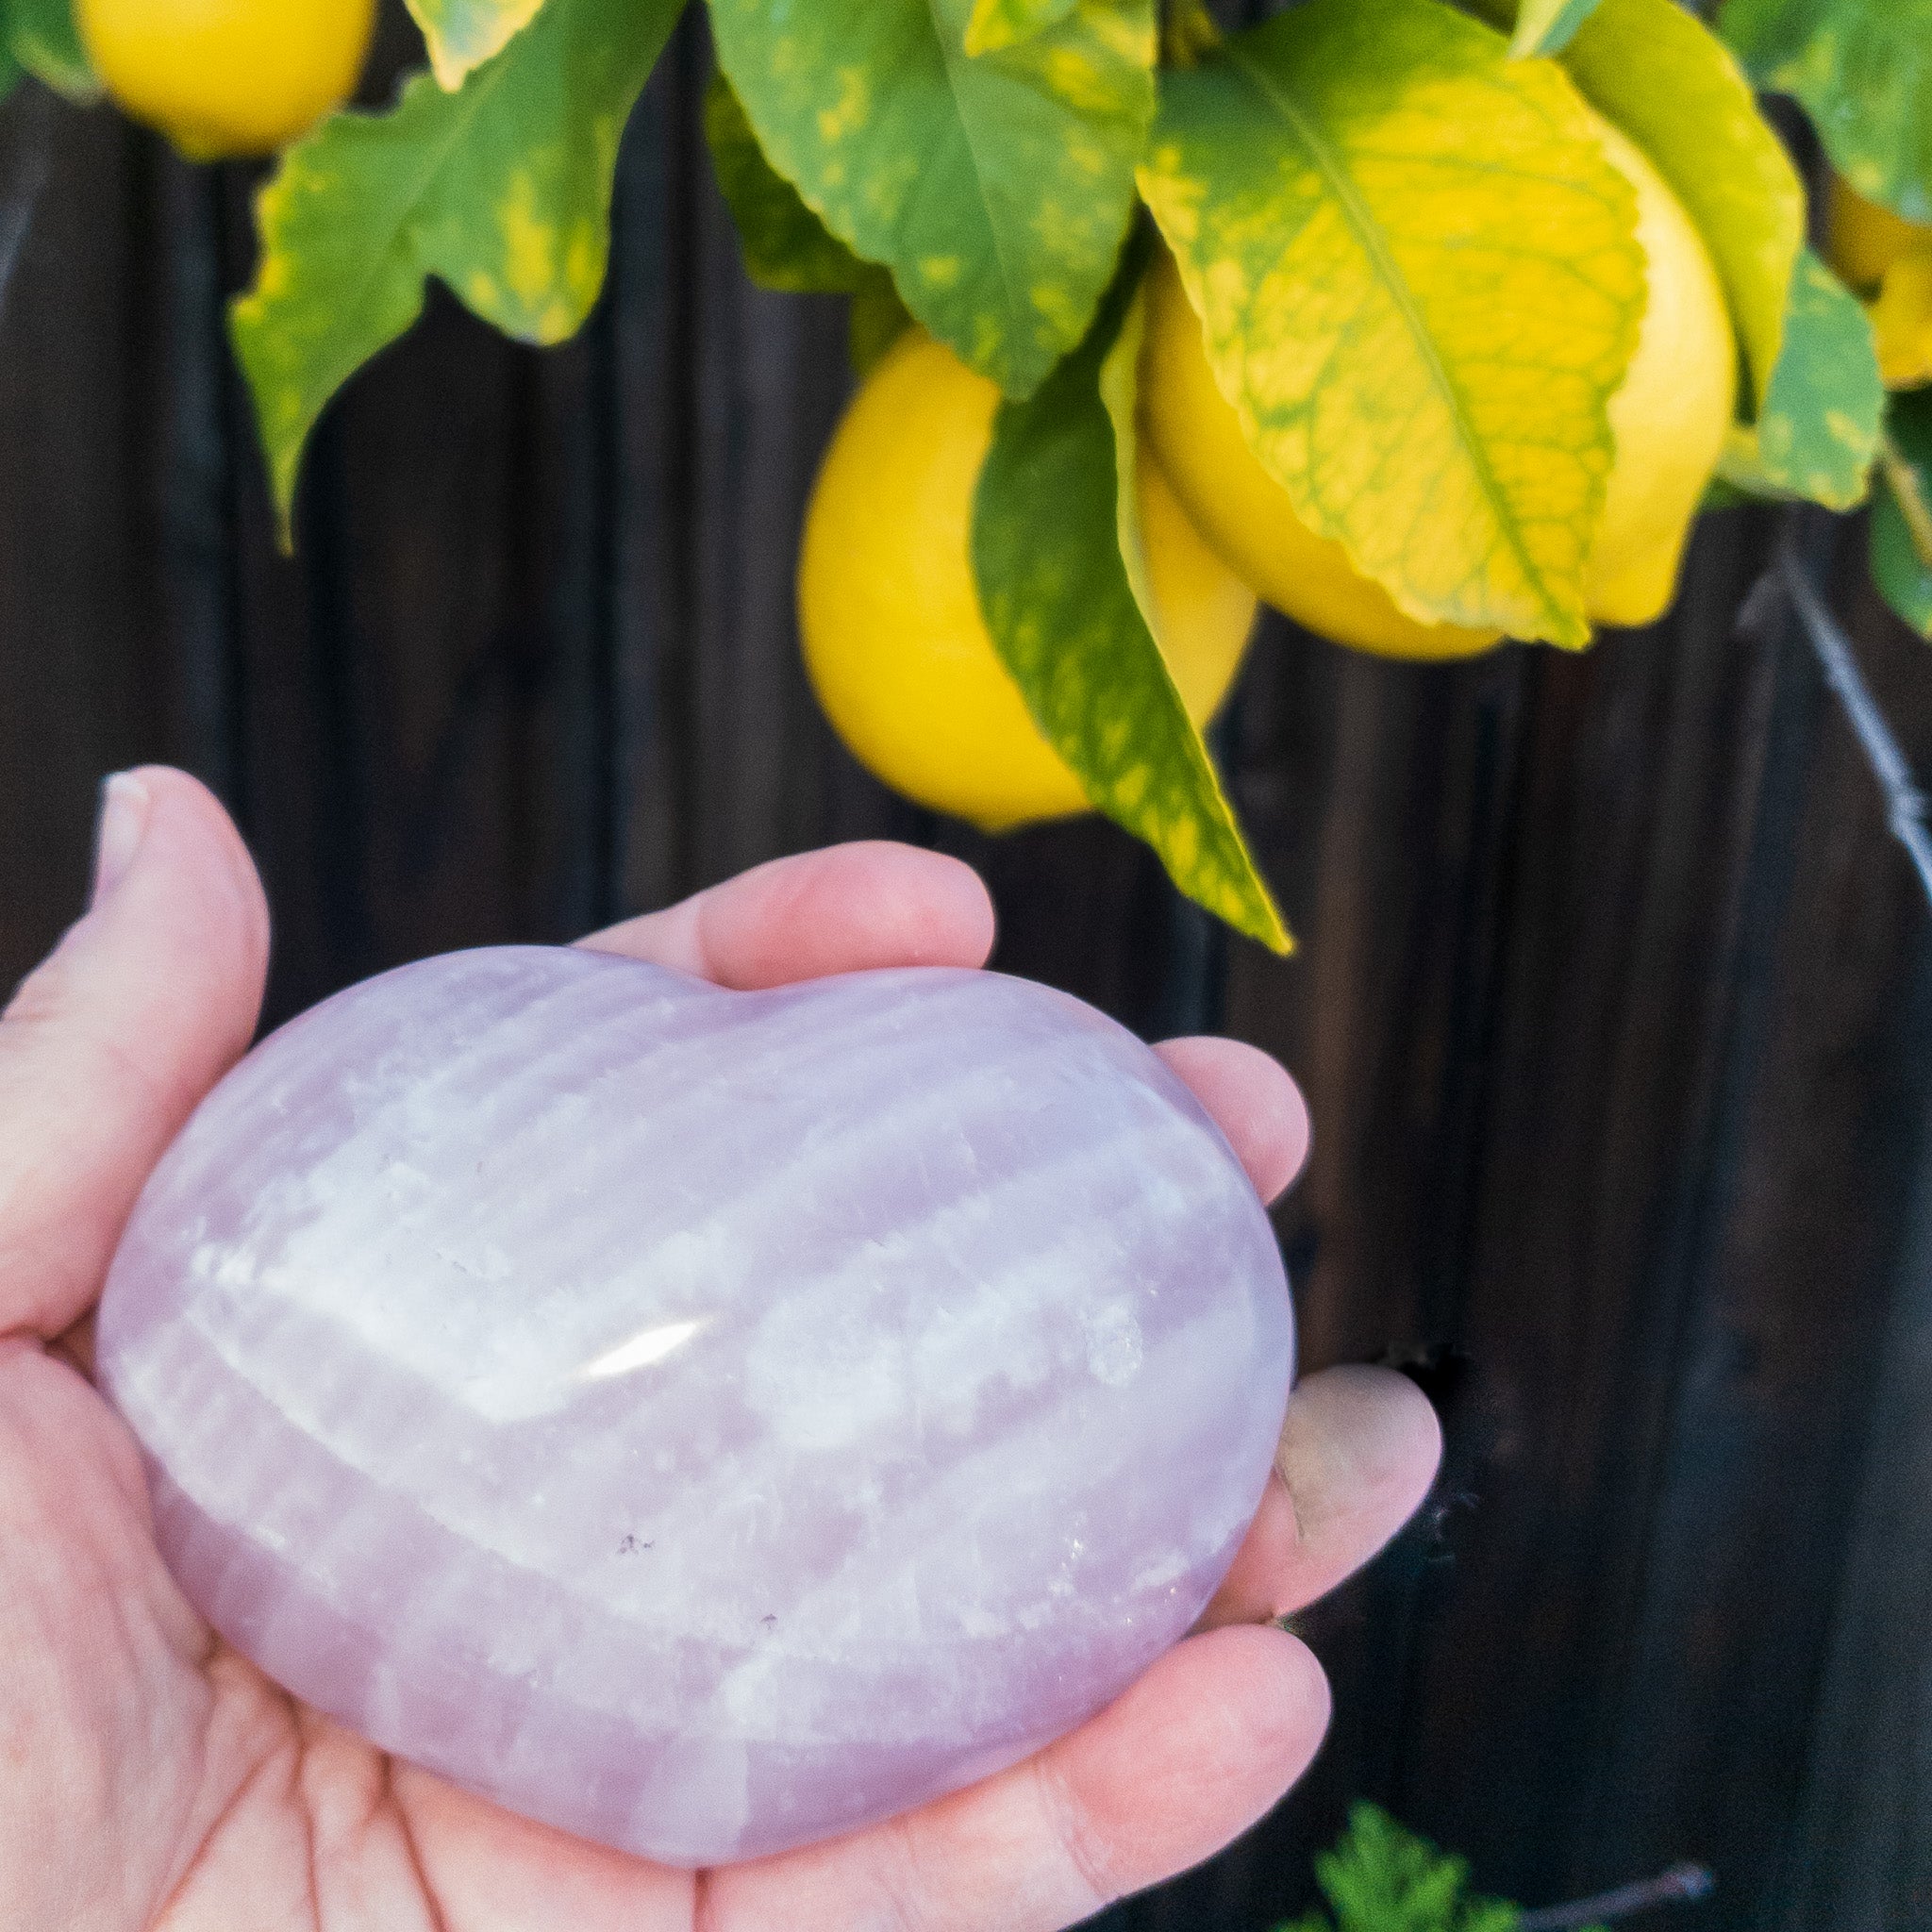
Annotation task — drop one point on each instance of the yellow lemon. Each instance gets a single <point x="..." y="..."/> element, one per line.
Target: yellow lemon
<point x="1889" y="259"/>
<point x="1669" y="417"/>
<point x="1902" y="323"/>
<point x="894" y="640"/>
<point x="1865" y="238"/>
<point x="228" y="77"/>
<point x="1672" y="413"/>
<point x="1195" y="435"/>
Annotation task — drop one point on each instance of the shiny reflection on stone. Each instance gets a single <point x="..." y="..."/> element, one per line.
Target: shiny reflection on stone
<point x="642" y="1351"/>
<point x="706" y="1421"/>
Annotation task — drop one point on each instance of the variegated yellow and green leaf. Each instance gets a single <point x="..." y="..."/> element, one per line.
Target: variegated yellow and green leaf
<point x="1420" y="285"/>
<point x="996" y="25"/>
<point x="462" y="34"/>
<point x="1054" y="527"/>
<point x="1547" y="27"/>
<point x="1818" y="429"/>
<point x="1188" y="29"/>
<point x="1863" y="70"/>
<point x="996" y="187"/>
<point x="1654" y="69"/>
<point x="1120" y="394"/>
<point x="785" y="246"/>
<point x="501" y="189"/>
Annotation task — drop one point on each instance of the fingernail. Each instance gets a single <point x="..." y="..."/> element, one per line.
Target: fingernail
<point x="124" y="805"/>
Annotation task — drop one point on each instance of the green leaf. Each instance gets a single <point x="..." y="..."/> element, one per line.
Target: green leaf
<point x="1365" y="198"/>
<point x="1718" y="495"/>
<point x="1900" y="538"/>
<point x="1818" y="429"/>
<point x="878" y="320"/>
<point x="997" y="188"/>
<point x="502" y="188"/>
<point x="44" y="40"/>
<point x="785" y="246"/>
<point x="10" y="70"/>
<point x="1902" y="575"/>
<point x="1120" y="395"/>
<point x="1655" y="71"/>
<point x="1547" y="27"/>
<point x="1497" y="1915"/>
<point x="1059" y="601"/>
<point x="1906" y="451"/>
<point x="1188" y="29"/>
<point x="462" y="34"/>
<point x="1863" y="71"/>
<point x="1381" y="1878"/>
<point x="996" y="25"/>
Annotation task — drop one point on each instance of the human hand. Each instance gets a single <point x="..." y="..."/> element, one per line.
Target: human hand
<point x="152" y="1780"/>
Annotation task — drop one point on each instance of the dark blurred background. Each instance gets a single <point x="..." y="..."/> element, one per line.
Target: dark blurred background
<point x="1612" y="1002"/>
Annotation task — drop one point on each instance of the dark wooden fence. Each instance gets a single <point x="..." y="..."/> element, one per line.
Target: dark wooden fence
<point x="1613" y="1001"/>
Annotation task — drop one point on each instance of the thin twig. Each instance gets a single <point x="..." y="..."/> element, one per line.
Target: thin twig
<point x="1668" y="1888"/>
<point x="1903" y="802"/>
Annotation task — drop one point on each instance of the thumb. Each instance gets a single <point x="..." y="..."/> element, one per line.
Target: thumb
<point x="112" y="1042"/>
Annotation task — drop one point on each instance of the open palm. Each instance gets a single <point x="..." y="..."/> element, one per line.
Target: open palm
<point x="152" y="1779"/>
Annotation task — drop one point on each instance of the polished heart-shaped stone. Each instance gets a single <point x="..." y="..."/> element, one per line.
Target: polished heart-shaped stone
<point x="703" y="1421"/>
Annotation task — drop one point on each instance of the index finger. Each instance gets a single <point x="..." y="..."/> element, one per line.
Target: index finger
<point x="845" y="909"/>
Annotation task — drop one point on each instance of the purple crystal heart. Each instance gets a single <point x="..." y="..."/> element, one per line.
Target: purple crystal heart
<point x="703" y="1421"/>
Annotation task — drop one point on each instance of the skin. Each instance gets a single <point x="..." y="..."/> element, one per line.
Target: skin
<point x="151" y="1778"/>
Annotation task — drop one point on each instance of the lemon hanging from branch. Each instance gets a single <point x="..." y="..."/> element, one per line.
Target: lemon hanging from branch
<point x="1457" y="315"/>
<point x="228" y="77"/>
<point x="1194" y="433"/>
<point x="894" y="637"/>
<point x="1671" y="414"/>
<point x="1889" y="261"/>
<point x="1454" y="435"/>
